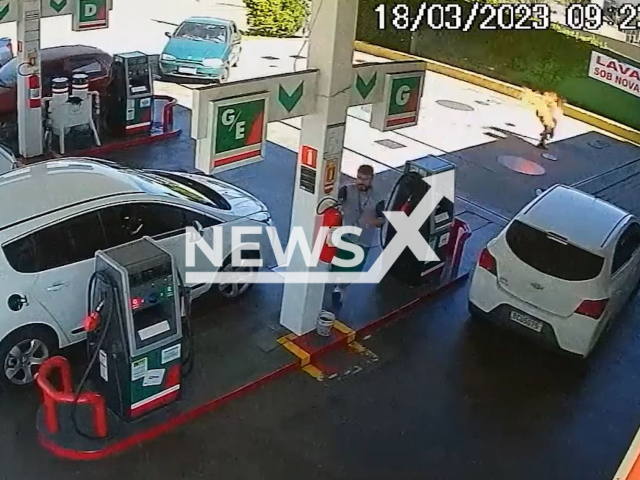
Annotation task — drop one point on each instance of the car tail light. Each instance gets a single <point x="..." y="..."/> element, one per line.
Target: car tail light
<point x="488" y="262"/>
<point x="592" y="308"/>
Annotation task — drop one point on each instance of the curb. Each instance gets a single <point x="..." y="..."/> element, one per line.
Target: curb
<point x="344" y="336"/>
<point x="504" y="88"/>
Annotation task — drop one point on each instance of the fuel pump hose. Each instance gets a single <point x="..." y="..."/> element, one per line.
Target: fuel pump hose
<point x="404" y="178"/>
<point x="188" y="361"/>
<point x="112" y="307"/>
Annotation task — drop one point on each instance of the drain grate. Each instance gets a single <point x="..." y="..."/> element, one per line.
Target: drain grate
<point x="480" y="102"/>
<point x="599" y="144"/>
<point x="297" y="56"/>
<point x="463" y="107"/>
<point x="390" y="144"/>
<point x="268" y="57"/>
<point x="521" y="165"/>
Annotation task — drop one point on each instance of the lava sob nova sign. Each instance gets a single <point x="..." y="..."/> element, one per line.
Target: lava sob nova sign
<point x="615" y="73"/>
<point x="400" y="104"/>
<point x="239" y="131"/>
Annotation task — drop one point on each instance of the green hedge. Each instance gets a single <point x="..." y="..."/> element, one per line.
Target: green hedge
<point x="549" y="60"/>
<point x="276" y="18"/>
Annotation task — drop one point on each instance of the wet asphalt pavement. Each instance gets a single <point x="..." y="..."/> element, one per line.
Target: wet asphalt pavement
<point x="448" y="399"/>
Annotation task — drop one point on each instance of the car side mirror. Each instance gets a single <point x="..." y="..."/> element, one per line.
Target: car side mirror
<point x="198" y="226"/>
<point x="168" y="34"/>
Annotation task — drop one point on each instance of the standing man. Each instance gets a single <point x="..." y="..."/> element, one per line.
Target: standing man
<point x="362" y="206"/>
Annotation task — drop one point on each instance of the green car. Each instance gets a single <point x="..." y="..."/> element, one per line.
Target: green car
<point x="202" y="48"/>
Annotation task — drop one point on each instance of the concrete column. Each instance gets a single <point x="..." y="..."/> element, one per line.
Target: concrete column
<point x="333" y="28"/>
<point x="29" y="115"/>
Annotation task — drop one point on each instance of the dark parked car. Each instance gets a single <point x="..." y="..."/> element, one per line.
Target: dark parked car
<point x="64" y="61"/>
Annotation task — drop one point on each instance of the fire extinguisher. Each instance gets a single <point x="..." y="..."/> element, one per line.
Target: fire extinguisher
<point x="332" y="217"/>
<point x="34" y="91"/>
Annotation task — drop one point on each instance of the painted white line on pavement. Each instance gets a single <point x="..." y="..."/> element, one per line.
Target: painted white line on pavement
<point x="629" y="460"/>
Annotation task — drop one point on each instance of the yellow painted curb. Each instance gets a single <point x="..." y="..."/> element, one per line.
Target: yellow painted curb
<point x="303" y="355"/>
<point x="287" y="338"/>
<point x="357" y="347"/>
<point x="315" y="372"/>
<point x="342" y="328"/>
<point x="508" y="89"/>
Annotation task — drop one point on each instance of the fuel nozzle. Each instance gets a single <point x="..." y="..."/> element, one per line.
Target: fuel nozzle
<point x="92" y="321"/>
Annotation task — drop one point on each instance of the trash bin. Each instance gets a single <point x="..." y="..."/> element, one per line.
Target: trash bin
<point x="325" y="323"/>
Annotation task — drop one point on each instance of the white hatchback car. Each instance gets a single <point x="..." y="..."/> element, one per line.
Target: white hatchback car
<point x="56" y="215"/>
<point x="561" y="270"/>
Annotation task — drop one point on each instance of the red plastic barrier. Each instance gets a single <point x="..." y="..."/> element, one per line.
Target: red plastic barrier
<point x="460" y="233"/>
<point x="52" y="397"/>
<point x="167" y="111"/>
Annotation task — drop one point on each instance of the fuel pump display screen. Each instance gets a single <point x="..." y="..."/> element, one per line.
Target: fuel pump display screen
<point x="152" y="306"/>
<point x="139" y="76"/>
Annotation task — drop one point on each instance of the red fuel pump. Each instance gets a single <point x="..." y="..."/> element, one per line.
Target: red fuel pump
<point x="332" y="217"/>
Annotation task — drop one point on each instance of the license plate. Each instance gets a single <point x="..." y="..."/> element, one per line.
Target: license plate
<point x="188" y="70"/>
<point x="527" y="321"/>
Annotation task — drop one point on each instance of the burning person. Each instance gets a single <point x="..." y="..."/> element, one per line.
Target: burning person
<point x="548" y="107"/>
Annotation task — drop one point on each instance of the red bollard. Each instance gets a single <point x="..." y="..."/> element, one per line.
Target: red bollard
<point x="167" y="112"/>
<point x="460" y="233"/>
<point x="52" y="397"/>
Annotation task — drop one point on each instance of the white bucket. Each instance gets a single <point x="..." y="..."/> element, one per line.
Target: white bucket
<point x="325" y="323"/>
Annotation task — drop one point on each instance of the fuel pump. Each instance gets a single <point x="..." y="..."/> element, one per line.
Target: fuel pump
<point x="134" y="329"/>
<point x="131" y="96"/>
<point x="409" y="190"/>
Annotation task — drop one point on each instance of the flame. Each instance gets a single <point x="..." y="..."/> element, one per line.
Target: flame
<point x="548" y="106"/>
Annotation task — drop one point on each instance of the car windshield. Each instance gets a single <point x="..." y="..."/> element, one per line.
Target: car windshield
<point x="156" y="184"/>
<point x="8" y="74"/>
<point x="551" y="255"/>
<point x="202" y="31"/>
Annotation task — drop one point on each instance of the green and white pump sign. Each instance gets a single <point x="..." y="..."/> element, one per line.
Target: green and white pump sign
<point x="91" y="15"/>
<point x="87" y="14"/>
<point x="239" y="130"/>
<point x="400" y="106"/>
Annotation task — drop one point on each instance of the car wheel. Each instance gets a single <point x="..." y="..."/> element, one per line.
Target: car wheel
<point x="22" y="352"/>
<point x="232" y="290"/>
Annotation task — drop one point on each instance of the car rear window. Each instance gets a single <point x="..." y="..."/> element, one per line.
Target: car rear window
<point x="552" y="257"/>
